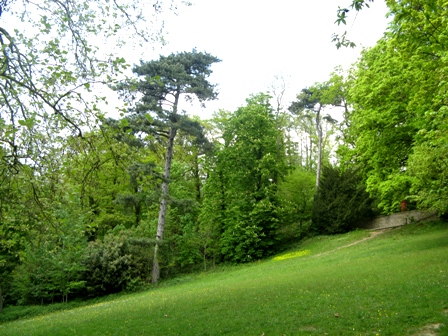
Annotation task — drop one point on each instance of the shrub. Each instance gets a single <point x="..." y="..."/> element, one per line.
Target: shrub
<point x="117" y="263"/>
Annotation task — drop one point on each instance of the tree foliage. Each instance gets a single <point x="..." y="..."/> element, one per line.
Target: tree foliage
<point x="341" y="201"/>
<point x="242" y="194"/>
<point x="52" y="61"/>
<point x="117" y="263"/>
<point x="398" y="95"/>
<point x="296" y="197"/>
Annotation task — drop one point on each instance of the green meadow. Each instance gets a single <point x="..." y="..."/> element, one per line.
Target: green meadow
<point x="395" y="283"/>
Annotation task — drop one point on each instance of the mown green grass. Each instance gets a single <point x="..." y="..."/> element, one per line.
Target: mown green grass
<point x="393" y="284"/>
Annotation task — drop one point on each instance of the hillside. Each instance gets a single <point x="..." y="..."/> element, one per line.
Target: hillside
<point x="395" y="283"/>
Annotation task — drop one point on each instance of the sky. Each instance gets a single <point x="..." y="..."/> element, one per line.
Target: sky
<point x="257" y="40"/>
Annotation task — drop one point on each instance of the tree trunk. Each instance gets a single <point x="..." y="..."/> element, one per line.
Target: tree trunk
<point x="1" y="300"/>
<point x="319" y="146"/>
<point x="163" y="203"/>
<point x="278" y="90"/>
<point x="279" y="137"/>
<point x="310" y="156"/>
<point x="197" y="178"/>
<point x="307" y="155"/>
<point x="319" y="158"/>
<point x="138" y="212"/>
<point x="205" y="258"/>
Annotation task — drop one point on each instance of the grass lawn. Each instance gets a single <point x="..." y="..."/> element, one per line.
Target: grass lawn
<point x="393" y="284"/>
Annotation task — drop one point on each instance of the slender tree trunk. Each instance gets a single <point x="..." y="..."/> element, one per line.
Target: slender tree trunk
<point x="1" y="300"/>
<point x="138" y="210"/>
<point x="319" y="147"/>
<point x="310" y="156"/>
<point x="205" y="258"/>
<point x="163" y="204"/>
<point x="197" y="178"/>
<point x="279" y="137"/>
<point x="319" y="158"/>
<point x="278" y="91"/>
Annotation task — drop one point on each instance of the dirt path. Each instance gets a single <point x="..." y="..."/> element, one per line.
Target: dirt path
<point x="372" y="235"/>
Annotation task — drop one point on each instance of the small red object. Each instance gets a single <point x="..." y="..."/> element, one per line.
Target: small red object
<point x="403" y="205"/>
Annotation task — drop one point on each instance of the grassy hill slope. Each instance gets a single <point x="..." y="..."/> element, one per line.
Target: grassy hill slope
<point x="393" y="284"/>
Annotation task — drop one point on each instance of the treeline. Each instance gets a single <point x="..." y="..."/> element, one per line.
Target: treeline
<point x="157" y="193"/>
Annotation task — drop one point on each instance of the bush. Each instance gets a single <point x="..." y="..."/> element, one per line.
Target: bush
<point x="117" y="263"/>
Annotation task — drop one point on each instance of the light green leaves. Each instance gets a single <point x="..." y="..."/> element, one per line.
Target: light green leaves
<point x="398" y="96"/>
<point x="240" y="195"/>
<point x="29" y="123"/>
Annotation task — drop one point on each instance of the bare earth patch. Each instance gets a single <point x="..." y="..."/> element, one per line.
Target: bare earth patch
<point x="373" y="234"/>
<point x="429" y="330"/>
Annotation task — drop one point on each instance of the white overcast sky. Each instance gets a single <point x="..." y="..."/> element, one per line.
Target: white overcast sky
<point x="259" y="39"/>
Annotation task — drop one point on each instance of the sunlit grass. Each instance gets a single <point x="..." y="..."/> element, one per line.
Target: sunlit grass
<point x="292" y="255"/>
<point x="394" y="284"/>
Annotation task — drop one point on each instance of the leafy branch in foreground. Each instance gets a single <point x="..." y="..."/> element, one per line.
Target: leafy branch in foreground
<point x="342" y="40"/>
<point x="53" y="62"/>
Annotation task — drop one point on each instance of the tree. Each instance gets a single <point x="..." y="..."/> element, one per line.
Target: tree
<point x="382" y="123"/>
<point x="340" y="202"/>
<point x="278" y="89"/>
<point x="187" y="243"/>
<point x="240" y="200"/>
<point x="387" y="116"/>
<point x="427" y="165"/>
<point x="113" y="175"/>
<point x="399" y="100"/>
<point x="13" y="233"/>
<point x="52" y="260"/>
<point x="309" y="105"/>
<point x="162" y="84"/>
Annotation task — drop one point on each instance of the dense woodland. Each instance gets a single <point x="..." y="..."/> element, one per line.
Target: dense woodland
<point x="91" y="205"/>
